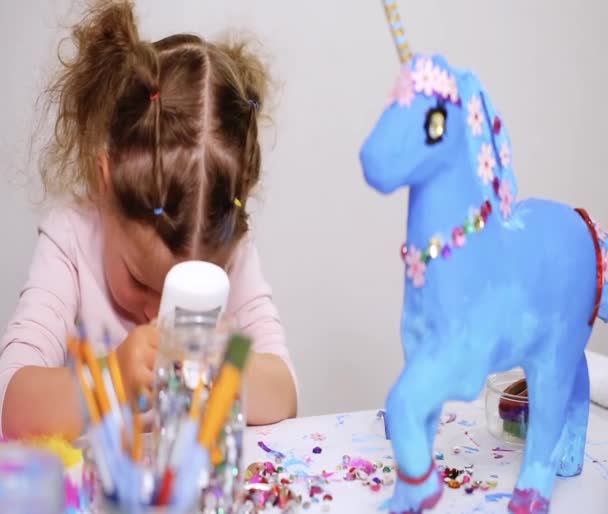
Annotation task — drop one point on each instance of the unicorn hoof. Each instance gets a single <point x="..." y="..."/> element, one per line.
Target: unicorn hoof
<point x="416" y="498"/>
<point x="427" y="504"/>
<point x="528" y="501"/>
<point x="569" y="469"/>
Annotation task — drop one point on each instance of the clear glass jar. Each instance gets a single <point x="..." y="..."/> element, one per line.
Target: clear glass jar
<point x="191" y="350"/>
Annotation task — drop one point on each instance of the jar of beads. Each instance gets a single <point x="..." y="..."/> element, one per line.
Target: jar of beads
<point x="507" y="406"/>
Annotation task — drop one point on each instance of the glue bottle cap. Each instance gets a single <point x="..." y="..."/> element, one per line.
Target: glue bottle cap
<point x="194" y="286"/>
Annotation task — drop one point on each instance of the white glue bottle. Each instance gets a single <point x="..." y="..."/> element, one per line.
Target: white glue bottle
<point x="194" y="288"/>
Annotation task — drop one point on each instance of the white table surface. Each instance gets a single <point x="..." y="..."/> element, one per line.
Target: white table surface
<point x="361" y="434"/>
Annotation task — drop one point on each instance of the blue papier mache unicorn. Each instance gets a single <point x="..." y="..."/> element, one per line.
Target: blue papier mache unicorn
<point x="491" y="283"/>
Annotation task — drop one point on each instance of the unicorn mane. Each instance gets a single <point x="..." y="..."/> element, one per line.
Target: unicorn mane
<point x="489" y="144"/>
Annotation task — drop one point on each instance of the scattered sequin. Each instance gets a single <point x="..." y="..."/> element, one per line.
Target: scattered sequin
<point x="453" y="484"/>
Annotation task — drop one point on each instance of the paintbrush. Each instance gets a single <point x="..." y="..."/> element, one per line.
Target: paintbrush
<point x="225" y="390"/>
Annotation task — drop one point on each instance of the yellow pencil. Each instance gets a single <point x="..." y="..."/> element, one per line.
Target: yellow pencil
<point x="137" y="447"/>
<point x="100" y="389"/>
<point x="217" y="456"/>
<point x="73" y="348"/>
<point x="100" y="449"/>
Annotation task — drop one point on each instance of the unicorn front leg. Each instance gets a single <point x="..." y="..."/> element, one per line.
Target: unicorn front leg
<point x="413" y="408"/>
<point x="408" y="408"/>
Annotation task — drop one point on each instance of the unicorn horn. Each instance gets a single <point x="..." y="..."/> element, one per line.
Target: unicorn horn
<point x="394" y="21"/>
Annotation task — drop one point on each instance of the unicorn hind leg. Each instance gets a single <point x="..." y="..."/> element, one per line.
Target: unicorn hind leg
<point x="552" y="397"/>
<point x="574" y="435"/>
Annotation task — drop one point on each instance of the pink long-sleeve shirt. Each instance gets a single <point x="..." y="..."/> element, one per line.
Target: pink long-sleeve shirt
<point x="66" y="282"/>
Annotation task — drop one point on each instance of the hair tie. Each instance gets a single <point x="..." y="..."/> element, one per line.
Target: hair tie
<point x="254" y="104"/>
<point x="154" y="97"/>
<point x="237" y="203"/>
<point x="159" y="211"/>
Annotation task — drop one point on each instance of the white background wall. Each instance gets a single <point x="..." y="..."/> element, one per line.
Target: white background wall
<point x="329" y="244"/>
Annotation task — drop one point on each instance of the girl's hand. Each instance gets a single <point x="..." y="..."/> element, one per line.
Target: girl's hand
<point x="136" y="357"/>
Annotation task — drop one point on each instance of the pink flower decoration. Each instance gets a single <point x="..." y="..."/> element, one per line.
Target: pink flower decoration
<point x="505" y="155"/>
<point x="442" y="83"/>
<point x="486" y="163"/>
<point x="317" y="436"/>
<point x="416" y="269"/>
<point x="403" y="93"/>
<point x="475" y="119"/>
<point x="506" y="198"/>
<point x="425" y="76"/>
<point x="453" y="90"/>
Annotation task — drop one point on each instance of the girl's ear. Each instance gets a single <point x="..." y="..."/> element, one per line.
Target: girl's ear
<point x="103" y="169"/>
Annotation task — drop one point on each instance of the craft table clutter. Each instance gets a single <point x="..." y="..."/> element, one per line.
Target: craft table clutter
<point x="343" y="464"/>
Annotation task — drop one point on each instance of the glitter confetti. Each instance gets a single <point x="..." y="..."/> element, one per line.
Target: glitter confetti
<point x="270" y="485"/>
<point x="460" y="478"/>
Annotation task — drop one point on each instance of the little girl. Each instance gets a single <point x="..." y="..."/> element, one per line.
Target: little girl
<point x="157" y="143"/>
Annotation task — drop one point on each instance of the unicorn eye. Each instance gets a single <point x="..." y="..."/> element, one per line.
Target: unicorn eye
<point x="435" y="125"/>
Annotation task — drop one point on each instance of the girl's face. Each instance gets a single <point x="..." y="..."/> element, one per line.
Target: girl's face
<point x="136" y="263"/>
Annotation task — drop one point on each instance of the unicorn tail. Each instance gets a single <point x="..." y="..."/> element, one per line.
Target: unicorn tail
<point x="600" y="243"/>
<point x="601" y="240"/>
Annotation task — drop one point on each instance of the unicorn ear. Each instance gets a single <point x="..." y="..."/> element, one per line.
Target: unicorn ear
<point x="500" y="139"/>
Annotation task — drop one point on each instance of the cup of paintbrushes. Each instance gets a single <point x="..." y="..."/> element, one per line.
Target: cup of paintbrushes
<point x="142" y="476"/>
